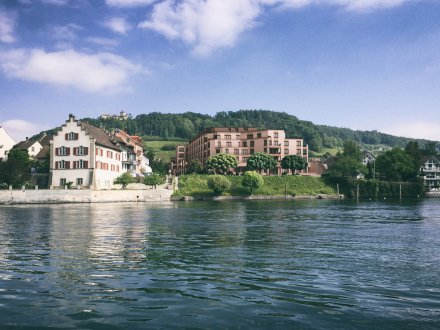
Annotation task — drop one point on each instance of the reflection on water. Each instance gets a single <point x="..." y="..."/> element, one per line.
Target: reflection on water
<point x="306" y="264"/>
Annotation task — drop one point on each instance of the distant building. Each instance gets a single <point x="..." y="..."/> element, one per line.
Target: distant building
<point x="33" y="146"/>
<point x="6" y="144"/>
<point x="122" y="116"/>
<point x="239" y="142"/>
<point x="82" y="155"/>
<point x="430" y="171"/>
<point x="367" y="157"/>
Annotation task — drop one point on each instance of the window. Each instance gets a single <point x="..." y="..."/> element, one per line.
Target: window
<point x="286" y="143"/>
<point x="258" y="135"/>
<point x="245" y="152"/>
<point x="286" y="151"/>
<point x="252" y="151"/>
<point x="275" y="135"/>
<point x="265" y="142"/>
<point x="61" y="165"/>
<point x="109" y="154"/>
<point x="227" y="137"/>
<point x="250" y="136"/>
<point x="245" y="159"/>
<point x="79" y="181"/>
<point x="62" y="151"/>
<point x="229" y="144"/>
<point x="236" y="151"/>
<point x="252" y="143"/>
<point x="298" y="152"/>
<point x="238" y="136"/>
<point x="265" y="150"/>
<point x="80" y="164"/>
<point x="63" y="182"/>
<point x="298" y="143"/>
<point x="71" y="136"/>
<point x="226" y="151"/>
<point x="219" y="144"/>
<point x="244" y="144"/>
<point x="81" y="151"/>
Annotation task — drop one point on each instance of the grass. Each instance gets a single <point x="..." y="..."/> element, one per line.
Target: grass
<point x="165" y="155"/>
<point x="196" y="185"/>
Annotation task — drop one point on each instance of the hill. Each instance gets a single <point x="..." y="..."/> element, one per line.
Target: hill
<point x="185" y="126"/>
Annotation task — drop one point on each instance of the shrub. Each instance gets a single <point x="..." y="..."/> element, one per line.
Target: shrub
<point x="124" y="179"/>
<point x="253" y="180"/>
<point x="154" y="180"/>
<point x="219" y="184"/>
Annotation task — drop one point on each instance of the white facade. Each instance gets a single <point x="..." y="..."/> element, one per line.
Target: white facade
<point x="83" y="156"/>
<point x="431" y="173"/>
<point x="6" y="144"/>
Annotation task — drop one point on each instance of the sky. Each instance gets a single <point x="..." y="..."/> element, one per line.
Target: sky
<point x="368" y="65"/>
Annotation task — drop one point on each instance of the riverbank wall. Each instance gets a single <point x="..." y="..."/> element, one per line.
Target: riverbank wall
<point x="258" y="197"/>
<point x="46" y="196"/>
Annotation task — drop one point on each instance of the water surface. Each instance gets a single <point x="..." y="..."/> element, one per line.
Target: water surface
<point x="253" y="264"/>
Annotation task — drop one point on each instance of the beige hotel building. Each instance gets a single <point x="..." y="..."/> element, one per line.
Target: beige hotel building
<point x="240" y="142"/>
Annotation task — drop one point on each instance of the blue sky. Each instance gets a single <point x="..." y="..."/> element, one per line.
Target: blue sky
<point x="370" y="65"/>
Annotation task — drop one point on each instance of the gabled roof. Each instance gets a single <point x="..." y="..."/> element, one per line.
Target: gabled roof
<point x="101" y="136"/>
<point x="44" y="153"/>
<point x="426" y="158"/>
<point x="25" y="145"/>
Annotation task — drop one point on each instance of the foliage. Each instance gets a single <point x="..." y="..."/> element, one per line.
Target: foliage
<point x="293" y="163"/>
<point x="153" y="180"/>
<point x="261" y="161"/>
<point x="187" y="125"/>
<point x="16" y="170"/>
<point x="396" y="165"/>
<point x="195" y="166"/>
<point x="196" y="185"/>
<point x="124" y="179"/>
<point x="348" y="163"/>
<point x="221" y="163"/>
<point x="219" y="184"/>
<point x="160" y="167"/>
<point x="168" y="147"/>
<point x="253" y="180"/>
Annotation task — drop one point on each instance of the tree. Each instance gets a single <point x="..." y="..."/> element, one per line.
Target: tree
<point x="195" y="166"/>
<point x="348" y="163"/>
<point x="221" y="163"/>
<point x="396" y="165"/>
<point x="124" y="179"/>
<point x="293" y="163"/>
<point x="253" y="180"/>
<point x="261" y="161"/>
<point x="16" y="170"/>
<point x="153" y="180"/>
<point x="219" y="183"/>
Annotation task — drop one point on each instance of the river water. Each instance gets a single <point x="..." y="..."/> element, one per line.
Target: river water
<point x="254" y="264"/>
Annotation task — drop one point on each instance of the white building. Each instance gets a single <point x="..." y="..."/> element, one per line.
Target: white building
<point x="431" y="172"/>
<point x="6" y="144"/>
<point x="82" y="155"/>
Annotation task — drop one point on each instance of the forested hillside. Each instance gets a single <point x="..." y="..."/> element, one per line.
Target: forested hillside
<point x="187" y="125"/>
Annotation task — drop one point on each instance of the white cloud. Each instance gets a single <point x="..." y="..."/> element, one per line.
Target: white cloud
<point x="20" y="129"/>
<point x="55" y="2"/>
<point x="128" y="3"/>
<point x="88" y="72"/>
<point x="118" y="25"/>
<point x="415" y="129"/>
<point x="207" y="25"/>
<point x="7" y="23"/>
<point x="105" y="42"/>
<point x="66" y="32"/>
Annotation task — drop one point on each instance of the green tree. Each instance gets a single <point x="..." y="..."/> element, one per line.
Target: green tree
<point x="195" y="166"/>
<point x="219" y="184"/>
<point x="221" y="163"/>
<point x="16" y="170"/>
<point x="124" y="179"/>
<point x="261" y="161"/>
<point x="396" y="165"/>
<point x="293" y="163"/>
<point x="253" y="180"/>
<point x="348" y="163"/>
<point x="153" y="180"/>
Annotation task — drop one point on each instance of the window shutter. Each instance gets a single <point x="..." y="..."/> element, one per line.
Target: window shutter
<point x="102" y="152"/>
<point x="67" y="151"/>
<point x="97" y="150"/>
<point x="67" y="165"/>
<point x="74" y="165"/>
<point x="66" y="136"/>
<point x="57" y="151"/>
<point x="76" y="136"/>
<point x="86" y="164"/>
<point x="86" y="151"/>
<point x="57" y="165"/>
<point x="75" y="152"/>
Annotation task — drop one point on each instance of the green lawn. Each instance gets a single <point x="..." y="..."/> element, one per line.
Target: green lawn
<point x="165" y="155"/>
<point x="196" y="185"/>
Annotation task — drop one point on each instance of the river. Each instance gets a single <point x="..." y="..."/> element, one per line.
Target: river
<point x="242" y="264"/>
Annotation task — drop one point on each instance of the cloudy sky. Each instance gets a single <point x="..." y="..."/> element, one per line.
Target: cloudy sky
<point x="362" y="64"/>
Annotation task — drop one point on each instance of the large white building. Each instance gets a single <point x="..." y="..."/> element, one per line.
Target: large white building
<point x="83" y="156"/>
<point x="6" y="144"/>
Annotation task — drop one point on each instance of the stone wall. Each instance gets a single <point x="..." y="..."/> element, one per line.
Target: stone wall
<point x="82" y="196"/>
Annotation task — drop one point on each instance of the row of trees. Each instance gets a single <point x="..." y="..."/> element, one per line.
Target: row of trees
<point x="393" y="165"/>
<point x="223" y="163"/>
<point x="220" y="183"/>
<point x="187" y="125"/>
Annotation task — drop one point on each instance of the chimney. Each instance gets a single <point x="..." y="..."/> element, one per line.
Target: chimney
<point x="71" y="117"/>
<point x="27" y="138"/>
